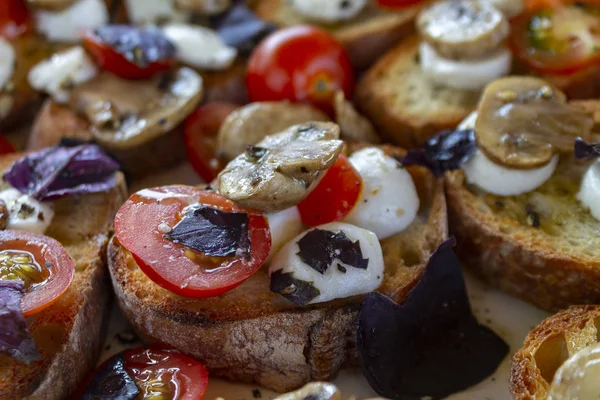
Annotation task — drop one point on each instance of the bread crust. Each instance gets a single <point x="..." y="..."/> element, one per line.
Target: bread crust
<point x="526" y="267"/>
<point x="526" y="380"/>
<point x="253" y="335"/>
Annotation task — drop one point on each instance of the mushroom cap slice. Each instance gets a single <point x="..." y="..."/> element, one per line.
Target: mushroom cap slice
<point x="460" y="29"/>
<point x="252" y="122"/>
<point x="283" y="168"/>
<point x="523" y="121"/>
<point x="126" y="113"/>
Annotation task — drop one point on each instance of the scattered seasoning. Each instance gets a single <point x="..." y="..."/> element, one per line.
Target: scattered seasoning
<point x="25" y="211"/>
<point x="532" y="217"/>
<point x="499" y="204"/>
<point x="255" y="153"/>
<point x="256" y="394"/>
<point x="341" y="268"/>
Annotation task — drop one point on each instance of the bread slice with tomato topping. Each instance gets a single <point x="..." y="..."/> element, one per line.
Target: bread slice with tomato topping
<point x="68" y="334"/>
<point x="252" y="334"/>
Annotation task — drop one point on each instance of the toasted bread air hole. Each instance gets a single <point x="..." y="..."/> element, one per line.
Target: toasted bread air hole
<point x="551" y="354"/>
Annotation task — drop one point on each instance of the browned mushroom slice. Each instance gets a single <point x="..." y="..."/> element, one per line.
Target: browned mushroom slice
<point x="523" y="121"/>
<point x="52" y="5"/>
<point x="203" y="7"/>
<point x="283" y="168"/>
<point x="354" y="126"/>
<point x="126" y="113"/>
<point x="463" y="28"/>
<point x="251" y="123"/>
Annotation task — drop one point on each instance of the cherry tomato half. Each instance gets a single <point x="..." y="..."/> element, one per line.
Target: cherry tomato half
<point x="15" y="18"/>
<point x="558" y="40"/>
<point x="200" y="130"/>
<point x="41" y="263"/>
<point x="6" y="147"/>
<point x="397" y="3"/>
<point x="173" y="266"/>
<point x="157" y="373"/>
<point x="335" y="195"/>
<point x="299" y="63"/>
<point x="131" y="52"/>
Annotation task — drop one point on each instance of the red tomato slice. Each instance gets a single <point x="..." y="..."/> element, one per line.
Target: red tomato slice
<point x="170" y="265"/>
<point x="6" y="147"/>
<point x="397" y="3"/>
<point x="302" y="64"/>
<point x="558" y="40"/>
<point x="201" y="129"/>
<point x="45" y="268"/>
<point x="335" y="195"/>
<point x="15" y="18"/>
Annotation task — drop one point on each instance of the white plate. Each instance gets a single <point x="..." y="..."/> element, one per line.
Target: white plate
<point x="512" y="319"/>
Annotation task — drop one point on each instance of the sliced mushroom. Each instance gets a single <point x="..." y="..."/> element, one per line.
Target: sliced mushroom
<point x="463" y="28"/>
<point x="280" y="170"/>
<point x="251" y="123"/>
<point x="354" y="126"/>
<point x="51" y="5"/>
<point x="203" y="7"/>
<point x="313" y="391"/>
<point x="523" y="121"/>
<point x="126" y="113"/>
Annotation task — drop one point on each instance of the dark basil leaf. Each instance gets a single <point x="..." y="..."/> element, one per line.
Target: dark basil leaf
<point x="213" y="232"/>
<point x="239" y="27"/>
<point x="140" y="45"/>
<point x="297" y="291"/>
<point x="586" y="151"/>
<point x="446" y="151"/>
<point x="318" y="249"/>
<point x="63" y="171"/>
<point x="111" y="381"/>
<point x="432" y="345"/>
<point x="15" y="339"/>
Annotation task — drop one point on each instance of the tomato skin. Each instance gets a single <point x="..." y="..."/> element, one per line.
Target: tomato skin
<point x="301" y="64"/>
<point x="334" y="197"/>
<point x="15" y="18"/>
<point x="200" y="130"/>
<point x="136" y="228"/>
<point x="398" y="3"/>
<point x="44" y="250"/>
<point x="6" y="147"/>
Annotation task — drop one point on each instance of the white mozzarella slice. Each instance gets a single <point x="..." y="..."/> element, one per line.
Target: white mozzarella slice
<point x="389" y="201"/>
<point x="7" y="62"/>
<point x="329" y="10"/>
<point x="68" y="25"/>
<point x="469" y="122"/>
<point x="339" y="279"/>
<point x="61" y="72"/>
<point x="464" y="74"/>
<point x="589" y="192"/>
<point x="285" y="225"/>
<point x="26" y="213"/>
<point x="499" y="180"/>
<point x="200" y="47"/>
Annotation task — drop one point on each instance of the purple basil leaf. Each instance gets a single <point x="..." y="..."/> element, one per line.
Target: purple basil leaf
<point x="446" y="151"/>
<point x="586" y="151"/>
<point x="63" y="171"/>
<point x="239" y="27"/>
<point x="111" y="381"/>
<point x="15" y="339"/>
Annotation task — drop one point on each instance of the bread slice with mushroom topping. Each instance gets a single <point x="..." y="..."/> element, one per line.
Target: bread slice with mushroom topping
<point x="251" y="334"/>
<point x="69" y="333"/>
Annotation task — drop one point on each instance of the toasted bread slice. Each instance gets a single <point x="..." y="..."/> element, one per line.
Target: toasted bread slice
<point x="542" y="246"/>
<point x="68" y="334"/>
<point x="251" y="334"/>
<point x="228" y="85"/>
<point x="366" y="37"/>
<point x="548" y="346"/>
<point x="404" y="104"/>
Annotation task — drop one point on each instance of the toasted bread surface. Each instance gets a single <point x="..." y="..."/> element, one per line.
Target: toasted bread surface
<point x="253" y="335"/>
<point x="541" y="246"/>
<point x="366" y="37"/>
<point x="548" y="346"/>
<point x="68" y="334"/>
<point x="404" y="104"/>
<point x="228" y="85"/>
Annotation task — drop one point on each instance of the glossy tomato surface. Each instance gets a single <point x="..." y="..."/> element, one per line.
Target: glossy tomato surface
<point x="302" y="64"/>
<point x="335" y="195"/>
<point x="41" y="263"/>
<point x="201" y="129"/>
<point x="173" y="266"/>
<point x="15" y="18"/>
<point x="6" y="147"/>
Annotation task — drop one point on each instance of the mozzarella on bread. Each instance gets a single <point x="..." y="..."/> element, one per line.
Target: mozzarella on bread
<point x="589" y="191"/>
<point x="68" y="25"/>
<point x="26" y="213"/>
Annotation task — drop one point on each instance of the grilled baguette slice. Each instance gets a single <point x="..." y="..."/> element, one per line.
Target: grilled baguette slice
<point x="548" y="346"/>
<point x="68" y="334"/>
<point x="541" y="246"/>
<point x="366" y="37"/>
<point x="253" y="335"/>
<point x="405" y="106"/>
